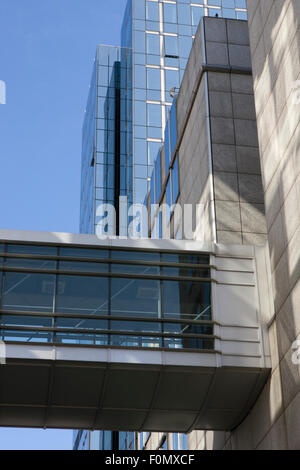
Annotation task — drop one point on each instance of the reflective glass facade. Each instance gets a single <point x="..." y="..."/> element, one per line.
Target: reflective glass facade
<point x="106" y="141"/>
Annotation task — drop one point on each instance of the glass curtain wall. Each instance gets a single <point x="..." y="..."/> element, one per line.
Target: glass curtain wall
<point x="107" y="144"/>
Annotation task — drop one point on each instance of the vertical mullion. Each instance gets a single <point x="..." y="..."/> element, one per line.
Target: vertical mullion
<point x="55" y="297"/>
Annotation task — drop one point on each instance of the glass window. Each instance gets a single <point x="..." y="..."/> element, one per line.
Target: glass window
<point x="228" y="3"/>
<point x="171" y="45"/>
<point x="32" y="249"/>
<point x="154" y="115"/>
<point x="229" y="13"/>
<point x="140" y="152"/>
<point x="2" y="247"/>
<point x="139" y="9"/>
<point x="82" y="295"/>
<point x="186" y="299"/>
<point x="185" y="258"/>
<point x="82" y="323"/>
<point x="153" y="79"/>
<point x="153" y="148"/>
<point x="17" y="320"/>
<point x="152" y="41"/>
<point x="172" y="81"/>
<point x="184" y="14"/>
<point x="135" y="297"/>
<point x="197" y="14"/>
<point x="152" y="11"/>
<point x="83" y="266"/>
<point x="135" y="326"/>
<point x="135" y="255"/>
<point x="28" y="292"/>
<point x="30" y="263"/>
<point x="135" y="269"/>
<point x="140" y="113"/>
<point x="140" y="76"/>
<point x="170" y="13"/>
<point x="185" y="272"/>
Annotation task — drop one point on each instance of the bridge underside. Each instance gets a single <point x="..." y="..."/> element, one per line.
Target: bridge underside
<point x="110" y="389"/>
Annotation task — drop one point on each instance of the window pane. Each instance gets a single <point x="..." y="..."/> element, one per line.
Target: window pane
<point x="82" y="323"/>
<point x="136" y="297"/>
<point x="185" y="299"/>
<point x="152" y="41"/>
<point x="135" y="255"/>
<point x="135" y="269"/>
<point x="154" y="115"/>
<point x="197" y="13"/>
<point x="28" y="292"/>
<point x="153" y="79"/>
<point x="137" y="326"/>
<point x="30" y="263"/>
<point x="152" y="11"/>
<point x="32" y="249"/>
<point x="97" y="253"/>
<point x="170" y="13"/>
<point x="83" y="266"/>
<point x="172" y="81"/>
<point x="185" y="258"/>
<point x="18" y="320"/>
<point x="171" y="45"/>
<point x="185" y="272"/>
<point x="82" y="295"/>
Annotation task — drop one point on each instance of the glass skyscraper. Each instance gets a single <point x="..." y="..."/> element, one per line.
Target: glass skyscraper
<point x="130" y="99"/>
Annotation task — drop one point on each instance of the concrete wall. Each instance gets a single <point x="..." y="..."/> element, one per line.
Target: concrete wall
<point x="219" y="164"/>
<point x="275" y="47"/>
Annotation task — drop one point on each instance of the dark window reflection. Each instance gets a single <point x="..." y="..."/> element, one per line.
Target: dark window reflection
<point x="97" y="253"/>
<point x="82" y="295"/>
<point x="26" y="291"/>
<point x="186" y="299"/>
<point x="30" y="263"/>
<point x="32" y="249"/>
<point x="135" y="297"/>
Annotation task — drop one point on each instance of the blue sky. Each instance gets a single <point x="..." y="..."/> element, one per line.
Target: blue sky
<point x="46" y="57"/>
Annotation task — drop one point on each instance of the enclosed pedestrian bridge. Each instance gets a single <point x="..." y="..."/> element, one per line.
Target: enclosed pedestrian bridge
<point x="144" y="335"/>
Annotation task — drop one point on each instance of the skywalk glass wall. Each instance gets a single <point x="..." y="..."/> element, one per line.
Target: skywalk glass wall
<point x="104" y="297"/>
<point x="160" y="34"/>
